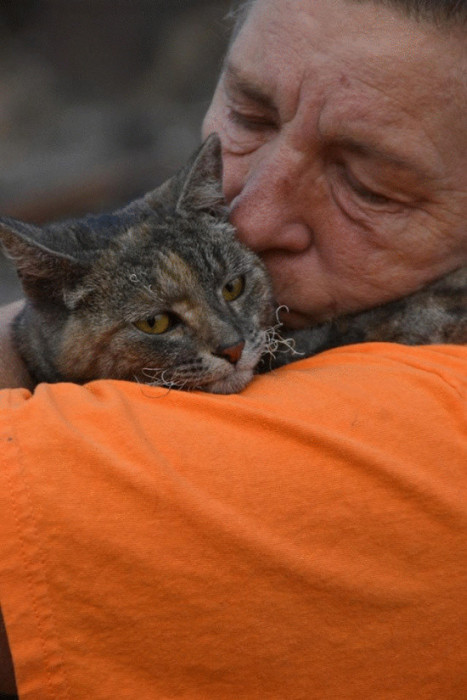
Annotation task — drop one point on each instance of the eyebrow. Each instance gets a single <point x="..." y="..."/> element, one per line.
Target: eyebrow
<point x="240" y="82"/>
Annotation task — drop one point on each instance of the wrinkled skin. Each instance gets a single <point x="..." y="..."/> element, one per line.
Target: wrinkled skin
<point x="345" y="151"/>
<point x="326" y="98"/>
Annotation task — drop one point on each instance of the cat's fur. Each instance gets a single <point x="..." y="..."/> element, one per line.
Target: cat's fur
<point x="436" y="313"/>
<point x="87" y="283"/>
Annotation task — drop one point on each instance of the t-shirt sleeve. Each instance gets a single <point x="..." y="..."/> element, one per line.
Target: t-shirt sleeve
<point x="302" y="539"/>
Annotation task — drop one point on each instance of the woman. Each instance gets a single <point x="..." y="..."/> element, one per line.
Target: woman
<point x="305" y="539"/>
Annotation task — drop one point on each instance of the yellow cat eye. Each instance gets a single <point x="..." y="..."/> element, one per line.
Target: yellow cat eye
<point x="233" y="289"/>
<point x="154" y="325"/>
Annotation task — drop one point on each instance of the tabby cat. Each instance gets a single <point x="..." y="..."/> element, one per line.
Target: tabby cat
<point x="161" y="292"/>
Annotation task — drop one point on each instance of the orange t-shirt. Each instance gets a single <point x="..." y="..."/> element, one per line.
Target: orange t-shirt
<point x="303" y="539"/>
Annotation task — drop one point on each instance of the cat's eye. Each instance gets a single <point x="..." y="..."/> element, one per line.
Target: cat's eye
<point x="233" y="289"/>
<point x="155" y="325"/>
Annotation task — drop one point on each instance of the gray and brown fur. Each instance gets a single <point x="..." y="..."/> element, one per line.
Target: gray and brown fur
<point x="88" y="281"/>
<point x="436" y="313"/>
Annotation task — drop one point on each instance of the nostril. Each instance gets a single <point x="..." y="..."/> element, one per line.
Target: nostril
<point x="231" y="353"/>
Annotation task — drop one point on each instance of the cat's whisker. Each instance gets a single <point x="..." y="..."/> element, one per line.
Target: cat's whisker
<point x="158" y="377"/>
<point x="167" y="378"/>
<point x="280" y="308"/>
<point x="145" y="385"/>
<point x="288" y="345"/>
<point x="275" y="343"/>
<point x="151" y="372"/>
<point x="145" y="287"/>
<point x="148" y="288"/>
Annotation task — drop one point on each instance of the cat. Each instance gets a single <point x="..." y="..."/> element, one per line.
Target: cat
<point x="162" y="292"/>
<point x="158" y="292"/>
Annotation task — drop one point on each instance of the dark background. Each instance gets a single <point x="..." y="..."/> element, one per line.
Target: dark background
<point x="100" y="101"/>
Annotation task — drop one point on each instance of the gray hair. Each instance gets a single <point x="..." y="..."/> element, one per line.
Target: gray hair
<point x="442" y="12"/>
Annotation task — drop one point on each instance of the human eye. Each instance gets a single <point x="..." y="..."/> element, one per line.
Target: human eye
<point x="249" y="120"/>
<point x="367" y="194"/>
<point x="245" y="128"/>
<point x="360" y="189"/>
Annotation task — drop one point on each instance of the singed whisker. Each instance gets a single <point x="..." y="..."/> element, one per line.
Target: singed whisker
<point x="274" y="342"/>
<point x="144" y="385"/>
<point x="147" y="288"/>
<point x="171" y="379"/>
<point x="280" y="308"/>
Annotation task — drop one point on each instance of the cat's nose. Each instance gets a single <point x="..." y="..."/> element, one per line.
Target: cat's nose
<point x="231" y="353"/>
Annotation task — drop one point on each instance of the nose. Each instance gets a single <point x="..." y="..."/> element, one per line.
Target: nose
<point x="231" y="353"/>
<point x="269" y="207"/>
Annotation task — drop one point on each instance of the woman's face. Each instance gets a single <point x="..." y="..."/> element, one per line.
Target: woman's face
<point x="344" y="134"/>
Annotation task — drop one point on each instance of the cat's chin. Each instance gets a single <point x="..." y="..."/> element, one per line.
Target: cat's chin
<point x="231" y="384"/>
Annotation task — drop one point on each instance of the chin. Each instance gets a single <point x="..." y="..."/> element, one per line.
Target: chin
<point x="231" y="384"/>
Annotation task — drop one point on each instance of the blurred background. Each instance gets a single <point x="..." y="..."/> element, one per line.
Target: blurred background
<point x="100" y="101"/>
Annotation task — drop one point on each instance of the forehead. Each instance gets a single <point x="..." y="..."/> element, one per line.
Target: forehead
<point x="355" y="27"/>
<point x="359" y="60"/>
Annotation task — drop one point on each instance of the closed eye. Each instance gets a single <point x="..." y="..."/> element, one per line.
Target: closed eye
<point x="364" y="192"/>
<point x="249" y="105"/>
<point x="250" y="121"/>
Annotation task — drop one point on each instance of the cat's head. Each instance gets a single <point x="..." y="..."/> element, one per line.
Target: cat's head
<point x="160" y="291"/>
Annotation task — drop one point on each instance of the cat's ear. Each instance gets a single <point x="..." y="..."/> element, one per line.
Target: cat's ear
<point x="201" y="187"/>
<point x="198" y="186"/>
<point x="45" y="273"/>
